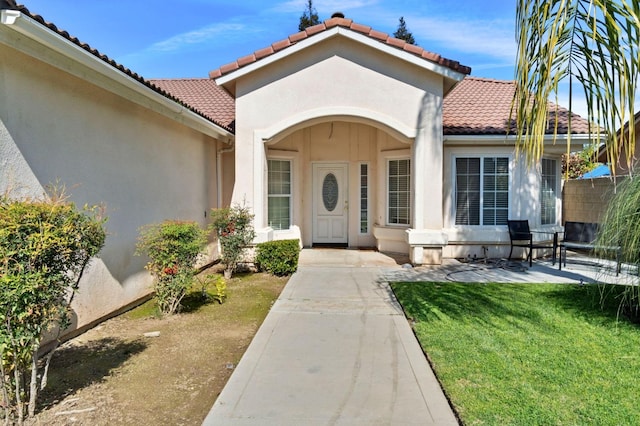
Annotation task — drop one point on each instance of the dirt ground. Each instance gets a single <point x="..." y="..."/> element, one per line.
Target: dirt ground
<point x="115" y="375"/>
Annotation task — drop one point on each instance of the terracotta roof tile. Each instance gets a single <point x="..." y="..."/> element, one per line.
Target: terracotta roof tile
<point x="399" y="43"/>
<point x="337" y="22"/>
<point x="293" y="38"/>
<point x="259" y="54"/>
<point x="279" y="45"/>
<point x="315" y="29"/>
<point x="211" y="100"/>
<point x="10" y="4"/>
<point x="365" y="29"/>
<point x="345" y="23"/>
<point x="379" y="35"/>
<point x="246" y="60"/>
<point x="482" y="106"/>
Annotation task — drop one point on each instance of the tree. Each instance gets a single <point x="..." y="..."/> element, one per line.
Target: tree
<point x="309" y="17"/>
<point x="45" y="246"/>
<point x="403" y="33"/>
<point x="576" y="164"/>
<point x="589" y="44"/>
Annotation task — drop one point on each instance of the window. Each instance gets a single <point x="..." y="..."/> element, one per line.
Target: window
<point x="279" y="194"/>
<point x="482" y="191"/>
<point x="399" y="192"/>
<point x="548" y="192"/>
<point x="364" y="198"/>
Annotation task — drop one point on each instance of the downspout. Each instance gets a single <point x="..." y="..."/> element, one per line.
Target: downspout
<point x="219" y="154"/>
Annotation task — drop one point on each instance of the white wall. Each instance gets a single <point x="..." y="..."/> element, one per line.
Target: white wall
<point x="524" y="200"/>
<point x="339" y="80"/>
<point x="143" y="166"/>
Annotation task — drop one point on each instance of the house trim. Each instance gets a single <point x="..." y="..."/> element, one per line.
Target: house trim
<point x="333" y="32"/>
<point x="293" y="123"/>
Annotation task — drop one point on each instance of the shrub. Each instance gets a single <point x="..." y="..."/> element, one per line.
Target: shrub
<point x="278" y="257"/>
<point x="45" y="246"/>
<point x="234" y="228"/>
<point x="219" y="283"/>
<point x="173" y="248"/>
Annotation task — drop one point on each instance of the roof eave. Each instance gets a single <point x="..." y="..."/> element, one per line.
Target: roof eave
<point x="145" y="96"/>
<point x="577" y="140"/>
<point x="446" y="72"/>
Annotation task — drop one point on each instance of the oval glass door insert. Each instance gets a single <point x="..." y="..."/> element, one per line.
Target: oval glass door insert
<point x="330" y="192"/>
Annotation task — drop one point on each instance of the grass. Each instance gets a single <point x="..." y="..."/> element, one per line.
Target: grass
<point x="543" y="354"/>
<point x="114" y="375"/>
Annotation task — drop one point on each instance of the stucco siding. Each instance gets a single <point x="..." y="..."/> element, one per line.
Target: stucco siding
<point x="144" y="168"/>
<point x="342" y="102"/>
<point x="337" y="142"/>
<point x="524" y="202"/>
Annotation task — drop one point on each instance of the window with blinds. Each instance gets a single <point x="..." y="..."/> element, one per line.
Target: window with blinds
<point x="399" y="192"/>
<point x="482" y="190"/>
<point x="279" y="194"/>
<point x="548" y="191"/>
<point x="364" y="198"/>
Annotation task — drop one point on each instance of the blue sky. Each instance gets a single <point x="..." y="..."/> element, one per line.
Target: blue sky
<point x="189" y="38"/>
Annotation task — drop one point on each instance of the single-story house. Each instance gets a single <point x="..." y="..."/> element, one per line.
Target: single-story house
<point x="338" y="135"/>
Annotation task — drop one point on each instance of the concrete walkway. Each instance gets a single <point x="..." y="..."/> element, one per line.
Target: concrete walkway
<point x="335" y="349"/>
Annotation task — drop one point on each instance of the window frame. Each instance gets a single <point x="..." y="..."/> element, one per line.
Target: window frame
<point x="368" y="199"/>
<point x="454" y="190"/>
<point x="388" y="161"/>
<point x="555" y="187"/>
<point x="290" y="195"/>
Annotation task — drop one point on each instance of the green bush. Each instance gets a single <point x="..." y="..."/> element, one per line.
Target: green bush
<point x="278" y="257"/>
<point x="45" y="246"/>
<point x="234" y="228"/>
<point x="173" y="247"/>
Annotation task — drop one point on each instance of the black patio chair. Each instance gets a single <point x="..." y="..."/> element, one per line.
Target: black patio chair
<point x="521" y="236"/>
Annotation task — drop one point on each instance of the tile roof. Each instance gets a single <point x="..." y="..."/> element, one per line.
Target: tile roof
<point x="338" y="21"/>
<point x="482" y="106"/>
<point x="11" y="4"/>
<point x="204" y="94"/>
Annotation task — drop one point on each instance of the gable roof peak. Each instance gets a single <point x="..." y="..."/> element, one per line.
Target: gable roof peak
<point x="338" y="20"/>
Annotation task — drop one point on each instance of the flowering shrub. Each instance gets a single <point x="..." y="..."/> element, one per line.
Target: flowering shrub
<point x="45" y="246"/>
<point x="173" y="248"/>
<point x="234" y="229"/>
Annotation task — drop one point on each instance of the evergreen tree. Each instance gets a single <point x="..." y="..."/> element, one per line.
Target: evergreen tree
<point x="403" y="33"/>
<point x="309" y="17"/>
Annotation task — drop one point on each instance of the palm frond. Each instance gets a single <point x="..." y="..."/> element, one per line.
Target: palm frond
<point x="594" y="44"/>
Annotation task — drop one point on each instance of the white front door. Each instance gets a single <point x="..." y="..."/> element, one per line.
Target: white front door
<point x="330" y="208"/>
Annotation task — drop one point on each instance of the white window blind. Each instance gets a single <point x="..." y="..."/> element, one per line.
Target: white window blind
<point x="279" y="194"/>
<point x="482" y="190"/>
<point x="548" y="192"/>
<point x="399" y="192"/>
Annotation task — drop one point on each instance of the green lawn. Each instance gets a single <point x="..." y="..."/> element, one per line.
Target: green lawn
<point x="528" y="354"/>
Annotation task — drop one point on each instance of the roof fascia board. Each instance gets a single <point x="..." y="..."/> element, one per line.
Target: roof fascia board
<point x="511" y="139"/>
<point x="147" y="97"/>
<point x="333" y="32"/>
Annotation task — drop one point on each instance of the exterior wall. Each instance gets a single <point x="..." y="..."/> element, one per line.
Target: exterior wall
<point x="340" y="80"/>
<point x="143" y="166"/>
<point x="524" y="202"/>
<point x="585" y="200"/>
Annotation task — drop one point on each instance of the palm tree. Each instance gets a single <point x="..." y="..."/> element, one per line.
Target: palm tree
<point x="589" y="44"/>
